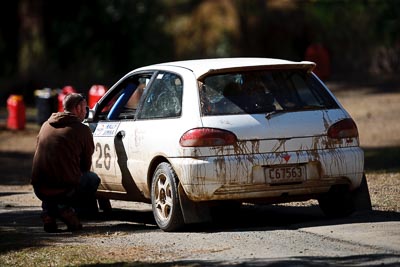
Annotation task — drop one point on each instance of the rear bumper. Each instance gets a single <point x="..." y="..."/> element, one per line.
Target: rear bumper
<point x="242" y="176"/>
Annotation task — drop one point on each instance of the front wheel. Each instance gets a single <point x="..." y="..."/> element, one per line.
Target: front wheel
<point x="164" y="198"/>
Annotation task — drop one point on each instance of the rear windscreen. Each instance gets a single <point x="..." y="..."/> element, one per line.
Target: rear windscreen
<point x="264" y="91"/>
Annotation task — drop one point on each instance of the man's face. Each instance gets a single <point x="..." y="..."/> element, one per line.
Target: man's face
<point x="81" y="110"/>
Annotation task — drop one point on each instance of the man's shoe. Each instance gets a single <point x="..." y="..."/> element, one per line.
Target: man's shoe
<point x="69" y="217"/>
<point x="49" y="224"/>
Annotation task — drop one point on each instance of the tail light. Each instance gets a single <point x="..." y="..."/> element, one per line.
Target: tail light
<point x="343" y="129"/>
<point x="200" y="137"/>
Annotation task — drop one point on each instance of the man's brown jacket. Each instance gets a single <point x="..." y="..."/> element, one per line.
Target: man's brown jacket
<point x="64" y="150"/>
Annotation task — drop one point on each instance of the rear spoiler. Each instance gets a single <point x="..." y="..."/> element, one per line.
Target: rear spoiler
<point x="303" y="65"/>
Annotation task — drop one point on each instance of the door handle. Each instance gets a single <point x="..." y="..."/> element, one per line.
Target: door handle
<point x="121" y="134"/>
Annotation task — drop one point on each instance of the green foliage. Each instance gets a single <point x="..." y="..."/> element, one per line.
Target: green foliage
<point x="353" y="30"/>
<point x="387" y="25"/>
<point x="86" y="42"/>
<point x="8" y="38"/>
<point x="105" y="38"/>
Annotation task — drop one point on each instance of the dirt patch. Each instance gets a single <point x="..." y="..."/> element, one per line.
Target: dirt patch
<point x="384" y="190"/>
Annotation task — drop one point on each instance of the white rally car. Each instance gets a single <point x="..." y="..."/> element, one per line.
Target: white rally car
<point x="186" y="136"/>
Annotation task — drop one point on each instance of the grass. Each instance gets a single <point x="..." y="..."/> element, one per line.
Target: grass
<point x="81" y="255"/>
<point x="53" y="256"/>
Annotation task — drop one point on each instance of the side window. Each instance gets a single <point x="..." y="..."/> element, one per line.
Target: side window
<point x="163" y="98"/>
<point x="124" y="99"/>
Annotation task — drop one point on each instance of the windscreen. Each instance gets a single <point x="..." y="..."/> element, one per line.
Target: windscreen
<point x="252" y="92"/>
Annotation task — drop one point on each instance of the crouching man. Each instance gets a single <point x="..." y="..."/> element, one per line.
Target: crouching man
<point x="60" y="173"/>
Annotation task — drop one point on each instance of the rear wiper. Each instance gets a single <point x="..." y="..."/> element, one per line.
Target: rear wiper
<point x="312" y="107"/>
<point x="268" y="115"/>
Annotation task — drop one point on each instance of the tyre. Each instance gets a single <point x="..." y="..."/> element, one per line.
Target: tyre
<point x="165" y="199"/>
<point x="340" y="202"/>
<point x="361" y="197"/>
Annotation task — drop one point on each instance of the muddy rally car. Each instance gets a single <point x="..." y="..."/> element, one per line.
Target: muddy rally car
<point x="190" y="136"/>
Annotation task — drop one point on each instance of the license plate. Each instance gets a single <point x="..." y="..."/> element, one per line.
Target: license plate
<point x="285" y="174"/>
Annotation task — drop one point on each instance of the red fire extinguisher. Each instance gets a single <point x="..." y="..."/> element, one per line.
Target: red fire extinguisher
<point x="65" y="91"/>
<point x="16" y="112"/>
<point x="320" y="55"/>
<point x="95" y="93"/>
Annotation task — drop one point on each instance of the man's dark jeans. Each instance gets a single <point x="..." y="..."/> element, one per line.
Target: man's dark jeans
<point x="82" y="199"/>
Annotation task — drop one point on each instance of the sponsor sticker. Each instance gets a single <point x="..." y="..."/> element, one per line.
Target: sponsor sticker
<point x="106" y="129"/>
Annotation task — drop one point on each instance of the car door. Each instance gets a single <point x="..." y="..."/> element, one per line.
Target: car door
<point x="157" y="126"/>
<point x="112" y="126"/>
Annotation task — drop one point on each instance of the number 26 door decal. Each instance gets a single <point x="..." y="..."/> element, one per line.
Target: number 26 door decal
<point x="104" y="158"/>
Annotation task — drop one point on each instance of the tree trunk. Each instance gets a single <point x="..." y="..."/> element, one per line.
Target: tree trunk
<point x="31" y="52"/>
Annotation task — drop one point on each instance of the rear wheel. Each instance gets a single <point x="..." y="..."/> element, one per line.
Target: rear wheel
<point x="164" y="198"/>
<point x="340" y="202"/>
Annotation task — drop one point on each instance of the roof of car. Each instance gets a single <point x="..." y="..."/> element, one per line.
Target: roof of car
<point x="206" y="66"/>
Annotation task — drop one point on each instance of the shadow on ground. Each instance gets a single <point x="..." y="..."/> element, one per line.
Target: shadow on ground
<point x="15" y="168"/>
<point x="359" y="260"/>
<point x="21" y="227"/>
<point x="382" y="159"/>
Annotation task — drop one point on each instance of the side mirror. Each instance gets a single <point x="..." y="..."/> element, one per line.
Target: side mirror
<point x="89" y="115"/>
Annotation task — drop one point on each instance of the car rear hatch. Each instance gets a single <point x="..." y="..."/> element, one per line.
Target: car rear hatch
<point x="282" y="132"/>
<point x="275" y="110"/>
<point x="269" y="127"/>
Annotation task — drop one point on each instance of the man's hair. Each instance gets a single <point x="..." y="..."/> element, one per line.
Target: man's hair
<point x="72" y="100"/>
